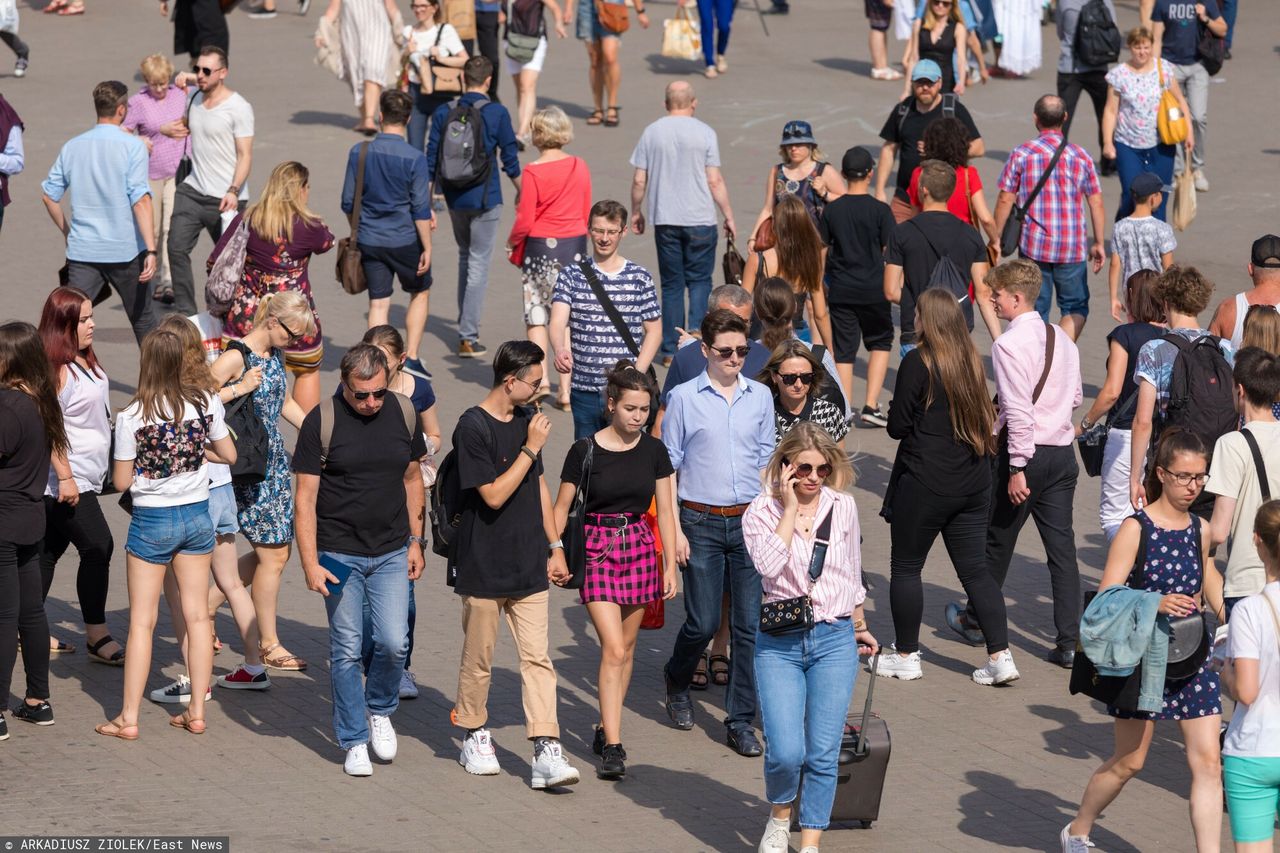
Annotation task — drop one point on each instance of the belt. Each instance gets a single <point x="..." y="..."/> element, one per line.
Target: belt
<point x="616" y="519"/>
<point x="731" y="511"/>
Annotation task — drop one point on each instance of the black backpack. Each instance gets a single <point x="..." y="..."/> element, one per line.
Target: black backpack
<point x="446" y="500"/>
<point x="463" y="160"/>
<point x="248" y="432"/>
<point x="1211" y="50"/>
<point x="1201" y="390"/>
<point x="949" y="101"/>
<point x="1097" y="38"/>
<point x="945" y="275"/>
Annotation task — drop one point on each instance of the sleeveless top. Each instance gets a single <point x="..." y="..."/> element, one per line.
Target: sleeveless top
<point x="85" y="404"/>
<point x="801" y="189"/>
<point x="1130" y="337"/>
<point x="1242" y="307"/>
<point x="941" y="51"/>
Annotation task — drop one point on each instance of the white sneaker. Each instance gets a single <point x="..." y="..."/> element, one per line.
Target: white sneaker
<point x="477" y="755"/>
<point x="893" y="664"/>
<point x="777" y="837"/>
<point x="998" y="671"/>
<point x="1073" y="843"/>
<point x="550" y="769"/>
<point x="1201" y="182"/>
<point x="357" y="763"/>
<point x="177" y="693"/>
<point x="408" y="687"/>
<point x="382" y="737"/>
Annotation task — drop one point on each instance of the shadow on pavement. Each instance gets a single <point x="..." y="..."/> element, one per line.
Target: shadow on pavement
<point x="710" y="811"/>
<point x="342" y="120"/>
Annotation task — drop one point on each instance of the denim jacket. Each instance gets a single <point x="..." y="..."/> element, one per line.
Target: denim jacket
<point x="1119" y="628"/>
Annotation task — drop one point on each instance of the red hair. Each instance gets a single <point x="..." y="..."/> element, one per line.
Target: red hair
<point x="60" y="328"/>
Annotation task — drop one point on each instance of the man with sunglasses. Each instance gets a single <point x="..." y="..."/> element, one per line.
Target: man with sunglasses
<point x="719" y="433"/>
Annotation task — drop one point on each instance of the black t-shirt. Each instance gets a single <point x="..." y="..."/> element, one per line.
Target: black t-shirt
<point x="1131" y="337"/>
<point x="502" y="553"/>
<point x="361" y="508"/>
<point x="621" y="480"/>
<point x="24" y="468"/>
<point x="910" y="249"/>
<point x="911" y="134"/>
<point x="856" y="228"/>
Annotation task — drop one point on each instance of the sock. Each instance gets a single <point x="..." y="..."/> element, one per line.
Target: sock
<point x="784" y="824"/>
<point x="254" y="669"/>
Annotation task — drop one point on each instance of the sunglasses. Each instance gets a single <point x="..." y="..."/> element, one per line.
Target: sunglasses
<point x="728" y="352"/>
<point x="293" y="336"/>
<point x="793" y="378"/>
<point x="365" y="395"/>
<point x="795" y="133"/>
<point x="207" y="72"/>
<point x="803" y="471"/>
<point x="946" y="4"/>
<point x="925" y="83"/>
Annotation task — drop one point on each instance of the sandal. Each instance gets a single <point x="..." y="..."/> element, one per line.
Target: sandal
<point x="116" y="658"/>
<point x="60" y="647"/>
<point x="699" y="680"/>
<point x="54" y="6"/>
<point x="74" y="9"/>
<point x="719" y="665"/>
<point x="117" y="728"/>
<point x="284" y="661"/>
<point x="612" y="122"/>
<point x="596" y="117"/>
<point x="186" y="721"/>
<point x="886" y="73"/>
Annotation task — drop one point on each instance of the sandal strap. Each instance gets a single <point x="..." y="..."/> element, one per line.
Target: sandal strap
<point x="93" y="647"/>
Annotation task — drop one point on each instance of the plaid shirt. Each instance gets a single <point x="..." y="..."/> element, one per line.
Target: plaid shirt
<point x="1054" y="232"/>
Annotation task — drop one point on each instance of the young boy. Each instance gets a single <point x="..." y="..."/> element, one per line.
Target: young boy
<point x="1139" y="241"/>
<point x="856" y="227"/>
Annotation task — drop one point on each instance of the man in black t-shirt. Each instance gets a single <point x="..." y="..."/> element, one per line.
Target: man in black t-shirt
<point x="507" y="549"/>
<point x="360" y="544"/>
<point x="856" y="228"/>
<point x="903" y="132"/>
<point x="917" y="246"/>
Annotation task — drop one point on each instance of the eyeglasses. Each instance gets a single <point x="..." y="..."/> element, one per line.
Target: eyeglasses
<point x="365" y="395"/>
<point x="207" y="72"/>
<point x="606" y="232"/>
<point x="1184" y="479"/>
<point x="533" y="385"/>
<point x="946" y="4"/>
<point x="293" y="336"/>
<point x="729" y="352"/>
<point x="804" y="470"/>
<point x="793" y="378"/>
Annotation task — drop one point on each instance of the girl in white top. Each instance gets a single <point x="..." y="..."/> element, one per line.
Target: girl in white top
<point x="1251" y="751"/>
<point x="429" y="40"/>
<point x="525" y="74"/>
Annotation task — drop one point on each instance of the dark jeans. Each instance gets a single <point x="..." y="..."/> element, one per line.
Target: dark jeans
<point x="686" y="261"/>
<point x="488" y="43"/>
<point x="22" y="617"/>
<point x="1229" y="9"/>
<point x="424" y="106"/>
<point x="1131" y="162"/>
<point x="1051" y="476"/>
<point x="123" y="278"/>
<point x="84" y="526"/>
<point x="919" y="516"/>
<point x="718" y="559"/>
<point x="19" y="46"/>
<point x="1070" y="85"/>
<point x="588" y="412"/>
<point x="192" y="213"/>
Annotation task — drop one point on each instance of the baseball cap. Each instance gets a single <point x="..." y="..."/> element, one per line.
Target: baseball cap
<point x="1266" y="251"/>
<point x="857" y="161"/>
<point x="926" y="69"/>
<point x="1146" y="184"/>
<point x="798" y="133"/>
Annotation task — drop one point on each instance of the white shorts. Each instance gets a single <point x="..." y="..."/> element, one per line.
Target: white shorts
<point x="535" y="64"/>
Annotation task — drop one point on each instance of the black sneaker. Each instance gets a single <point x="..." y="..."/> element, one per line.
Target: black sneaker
<point x="4" y="728"/>
<point x="612" y="762"/>
<point x="41" y="715"/>
<point x="874" y="417"/>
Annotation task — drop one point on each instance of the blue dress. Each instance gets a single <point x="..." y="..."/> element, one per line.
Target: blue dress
<point x="266" y="508"/>
<point x="1174" y="564"/>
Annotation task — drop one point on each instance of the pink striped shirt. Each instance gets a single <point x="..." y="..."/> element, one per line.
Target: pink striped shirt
<point x="1018" y="359"/>
<point x="784" y="572"/>
<point x="146" y="115"/>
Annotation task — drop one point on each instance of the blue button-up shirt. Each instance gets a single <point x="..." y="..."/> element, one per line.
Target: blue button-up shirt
<point x="499" y="140"/>
<point x="718" y="447"/>
<point x="396" y="193"/>
<point x="107" y="167"/>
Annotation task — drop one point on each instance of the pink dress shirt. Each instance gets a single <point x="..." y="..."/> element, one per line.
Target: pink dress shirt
<point x="784" y="572"/>
<point x="1018" y="358"/>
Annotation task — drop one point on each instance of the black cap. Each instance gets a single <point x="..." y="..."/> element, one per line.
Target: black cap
<point x="1146" y="184"/>
<point x="857" y="161"/>
<point x="1266" y="251"/>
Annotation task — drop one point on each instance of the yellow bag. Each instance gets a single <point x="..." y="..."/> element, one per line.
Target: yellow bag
<point x="1172" y="125"/>
<point x="682" y="36"/>
<point x="1184" y="197"/>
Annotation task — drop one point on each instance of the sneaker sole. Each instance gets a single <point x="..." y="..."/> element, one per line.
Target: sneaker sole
<point x="557" y="782"/>
<point x="601" y="774"/>
<point x="381" y="757"/>
<point x="994" y="683"/>
<point x="408" y="695"/>
<point x="901" y="676"/>
<point x="4" y="736"/>
<point x="362" y="772"/>
<point x="234" y="685"/>
<point x="35" y="722"/>
<point x="483" y="771"/>
<point x="470" y="354"/>
<point x="873" y="422"/>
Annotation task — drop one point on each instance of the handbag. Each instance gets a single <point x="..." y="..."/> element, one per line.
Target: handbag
<point x="1011" y="234"/>
<point x="1184" y="198"/>
<point x="624" y="331"/>
<point x="655" y="615"/>
<point x="227" y="270"/>
<point x="1211" y="50"/>
<point x="1093" y="443"/>
<point x="349" y="270"/>
<point x="249" y="433"/>
<point x="682" y="36"/>
<point x="796" y="614"/>
<point x="1171" y="124"/>
<point x="574" y="535"/>
<point x="184" y="165"/>
<point x="1117" y="691"/>
<point x="613" y="16"/>
<point x="438" y="77"/>
<point x="1189" y="643"/>
<point x="733" y="264"/>
<point x="993" y="256"/>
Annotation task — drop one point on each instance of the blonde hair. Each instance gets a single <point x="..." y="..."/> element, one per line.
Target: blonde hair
<point x="807" y="435"/>
<point x="550" y="128"/>
<point x="1262" y="329"/>
<point x="814" y="151"/>
<point x="931" y="20"/>
<point x="1016" y="276"/>
<point x="156" y="68"/>
<point x="289" y="307"/>
<point x="273" y="216"/>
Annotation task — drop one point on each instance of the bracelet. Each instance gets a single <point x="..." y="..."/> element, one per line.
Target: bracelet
<point x="533" y="457"/>
<point x="551" y="546"/>
<point x="64" y="479"/>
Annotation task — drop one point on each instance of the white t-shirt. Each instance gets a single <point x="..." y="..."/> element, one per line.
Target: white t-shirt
<point x="214" y="132"/>
<point x="1255" y="729"/>
<point x="1234" y="475"/>
<point x="169" y="466"/>
<point x="85" y="401"/>
<point x="211" y="333"/>
<point x="420" y="44"/>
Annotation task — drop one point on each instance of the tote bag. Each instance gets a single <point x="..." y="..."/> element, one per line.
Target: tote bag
<point x="1184" y="198"/>
<point x="682" y="36"/>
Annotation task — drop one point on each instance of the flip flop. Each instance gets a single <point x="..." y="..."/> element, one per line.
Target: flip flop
<point x="719" y="666"/>
<point x="184" y="721"/>
<point x="111" y="728"/>
<point x="55" y="6"/>
<point x="116" y="658"/>
<point x="71" y="10"/>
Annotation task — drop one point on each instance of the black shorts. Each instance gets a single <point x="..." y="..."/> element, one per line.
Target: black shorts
<point x="382" y="266"/>
<point x="879" y="13"/>
<point x="852" y="325"/>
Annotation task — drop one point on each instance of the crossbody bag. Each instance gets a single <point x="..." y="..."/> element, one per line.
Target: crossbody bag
<point x="624" y="331"/>
<point x="1011" y="234"/>
<point x="796" y="614"/>
<point x="350" y="270"/>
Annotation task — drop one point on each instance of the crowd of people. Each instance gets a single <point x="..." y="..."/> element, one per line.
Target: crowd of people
<point x="727" y="483"/>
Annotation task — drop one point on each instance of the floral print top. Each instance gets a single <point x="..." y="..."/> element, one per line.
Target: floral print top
<point x="169" y="466"/>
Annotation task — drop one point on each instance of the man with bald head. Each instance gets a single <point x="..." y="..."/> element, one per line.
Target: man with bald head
<point x="1053" y="234"/>
<point x="677" y="163"/>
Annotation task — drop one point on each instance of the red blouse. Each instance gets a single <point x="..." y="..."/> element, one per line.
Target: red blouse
<point x="555" y="200"/>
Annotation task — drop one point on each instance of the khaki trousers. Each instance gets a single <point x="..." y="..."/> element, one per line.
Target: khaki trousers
<point x="527" y="619"/>
<point x="161" y="212"/>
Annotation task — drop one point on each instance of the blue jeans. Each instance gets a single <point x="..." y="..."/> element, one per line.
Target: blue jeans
<point x="367" y="645"/>
<point x="686" y="261"/>
<point x="588" y="412"/>
<point x="1229" y="8"/>
<point x="718" y="560"/>
<point x="157" y="533"/>
<point x="475" y="232"/>
<point x="806" y="682"/>
<point x="383" y="582"/>
<point x="1072" y="283"/>
<point x="1131" y="162"/>
<point x="721" y="12"/>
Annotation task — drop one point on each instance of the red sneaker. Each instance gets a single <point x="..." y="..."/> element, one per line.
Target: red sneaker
<point x="242" y="680"/>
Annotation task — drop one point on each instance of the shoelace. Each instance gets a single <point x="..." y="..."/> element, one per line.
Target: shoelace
<point x="778" y="836"/>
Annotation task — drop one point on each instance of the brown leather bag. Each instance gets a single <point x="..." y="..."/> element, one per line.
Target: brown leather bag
<point x="613" y="16"/>
<point x="349" y="271"/>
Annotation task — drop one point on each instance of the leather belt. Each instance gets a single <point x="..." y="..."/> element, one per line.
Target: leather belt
<point x="614" y="519"/>
<point x="732" y="511"/>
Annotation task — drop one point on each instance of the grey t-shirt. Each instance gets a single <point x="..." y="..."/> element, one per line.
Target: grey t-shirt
<point x="675" y="151"/>
<point x="1068" y="18"/>
<point x="1140" y="243"/>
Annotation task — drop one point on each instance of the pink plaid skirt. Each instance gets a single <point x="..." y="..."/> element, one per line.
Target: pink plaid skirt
<point x="622" y="564"/>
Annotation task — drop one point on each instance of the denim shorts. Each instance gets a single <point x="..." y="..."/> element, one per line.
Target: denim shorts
<point x="157" y="533"/>
<point x="222" y="510"/>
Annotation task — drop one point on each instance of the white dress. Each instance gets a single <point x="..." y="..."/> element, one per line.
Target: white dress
<point x="367" y="43"/>
<point x="1019" y="25"/>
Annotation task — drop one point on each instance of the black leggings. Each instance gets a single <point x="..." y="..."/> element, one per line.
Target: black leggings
<point x="84" y="526"/>
<point x="919" y="516"/>
<point x="22" y="615"/>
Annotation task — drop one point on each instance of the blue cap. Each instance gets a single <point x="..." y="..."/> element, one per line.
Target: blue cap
<point x="1146" y="184"/>
<point x="798" y="133"/>
<point x="926" y="69"/>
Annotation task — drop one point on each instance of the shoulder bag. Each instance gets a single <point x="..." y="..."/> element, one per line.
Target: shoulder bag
<point x="1189" y="640"/>
<point x="624" y="331"/>
<point x="1093" y="443"/>
<point x="796" y="614"/>
<point x="1011" y="234"/>
<point x="253" y="444"/>
<point x="436" y="77"/>
<point x="733" y="264"/>
<point x="227" y="270"/>
<point x="574" y="535"/>
<point x="349" y="271"/>
<point x="613" y="16"/>
<point x="184" y="165"/>
<point x="1050" y="336"/>
<point x="1171" y="124"/>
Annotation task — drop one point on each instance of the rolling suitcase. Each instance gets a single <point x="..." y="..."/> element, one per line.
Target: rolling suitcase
<point x="864" y="759"/>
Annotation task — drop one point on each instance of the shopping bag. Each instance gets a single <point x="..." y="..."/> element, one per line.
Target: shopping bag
<point x="1184" y="197"/>
<point x="682" y="36"/>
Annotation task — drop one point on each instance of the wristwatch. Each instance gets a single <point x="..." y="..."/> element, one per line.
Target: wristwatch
<point x="232" y="190"/>
<point x="1086" y="425"/>
<point x="559" y="543"/>
<point x="418" y="539"/>
<point x="1017" y="469"/>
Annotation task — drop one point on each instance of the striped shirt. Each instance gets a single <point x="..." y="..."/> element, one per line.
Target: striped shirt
<point x="593" y="339"/>
<point x="145" y="116"/>
<point x="1054" y="232"/>
<point x="784" y="572"/>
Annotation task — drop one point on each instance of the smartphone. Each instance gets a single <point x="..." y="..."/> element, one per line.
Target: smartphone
<point x="339" y="570"/>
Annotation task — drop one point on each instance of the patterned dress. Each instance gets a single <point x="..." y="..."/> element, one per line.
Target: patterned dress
<point x="1174" y="564"/>
<point x="266" y="508"/>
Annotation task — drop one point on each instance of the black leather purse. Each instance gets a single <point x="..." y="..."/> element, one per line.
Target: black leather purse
<point x="574" y="535"/>
<point x="796" y="614"/>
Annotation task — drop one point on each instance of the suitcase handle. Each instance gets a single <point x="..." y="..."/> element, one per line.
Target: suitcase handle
<point x="860" y="748"/>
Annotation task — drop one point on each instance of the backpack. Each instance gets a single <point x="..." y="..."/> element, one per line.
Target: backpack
<point x="248" y="432"/>
<point x="327" y="417"/>
<point x="525" y="29"/>
<point x="1097" y="39"/>
<point x="945" y="275"/>
<point x="446" y="499"/>
<point x="1201" y="390"/>
<point x="464" y="161"/>
<point x="1211" y="50"/>
<point x="949" y="101"/>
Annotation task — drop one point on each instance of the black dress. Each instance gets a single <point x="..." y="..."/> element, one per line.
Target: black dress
<point x="199" y="24"/>
<point x="942" y="51"/>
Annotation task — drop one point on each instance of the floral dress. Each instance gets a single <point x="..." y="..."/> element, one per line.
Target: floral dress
<point x="266" y="508"/>
<point x="1174" y="564"/>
